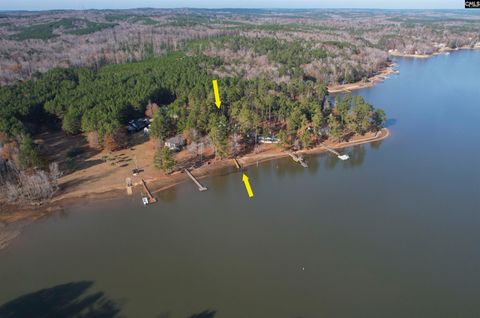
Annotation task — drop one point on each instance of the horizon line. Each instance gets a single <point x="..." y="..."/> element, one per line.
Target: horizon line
<point x="233" y="8"/>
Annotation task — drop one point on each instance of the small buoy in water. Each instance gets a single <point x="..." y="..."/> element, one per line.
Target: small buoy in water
<point x="303" y="268"/>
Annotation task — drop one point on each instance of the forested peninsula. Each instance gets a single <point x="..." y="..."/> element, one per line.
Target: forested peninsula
<point x="176" y="91"/>
<point x="76" y="124"/>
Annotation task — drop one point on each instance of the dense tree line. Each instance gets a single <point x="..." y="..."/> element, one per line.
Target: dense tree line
<point x="332" y="46"/>
<point x="176" y="90"/>
<point x="101" y="102"/>
<point x="290" y="55"/>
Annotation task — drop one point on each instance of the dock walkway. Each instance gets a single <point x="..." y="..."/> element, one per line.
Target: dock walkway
<point x="342" y="157"/>
<point x="239" y="167"/>
<point x="150" y="197"/>
<point x="298" y="159"/>
<point x="200" y="186"/>
<point x="330" y="149"/>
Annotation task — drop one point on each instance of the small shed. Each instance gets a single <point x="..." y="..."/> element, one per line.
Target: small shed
<point x="175" y="143"/>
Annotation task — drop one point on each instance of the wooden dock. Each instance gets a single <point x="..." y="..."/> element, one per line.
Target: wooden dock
<point x="239" y="167"/>
<point x="151" y="198"/>
<point x="330" y="149"/>
<point x="340" y="156"/>
<point x="200" y="186"/>
<point x="298" y="159"/>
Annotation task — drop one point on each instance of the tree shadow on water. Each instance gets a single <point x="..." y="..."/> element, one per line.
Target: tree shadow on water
<point x="204" y="314"/>
<point x="390" y="122"/>
<point x="67" y="300"/>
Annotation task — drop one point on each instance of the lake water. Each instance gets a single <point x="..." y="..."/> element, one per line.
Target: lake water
<point x="393" y="232"/>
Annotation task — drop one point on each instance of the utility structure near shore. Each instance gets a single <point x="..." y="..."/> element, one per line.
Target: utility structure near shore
<point x="199" y="185"/>
<point x="129" y="185"/>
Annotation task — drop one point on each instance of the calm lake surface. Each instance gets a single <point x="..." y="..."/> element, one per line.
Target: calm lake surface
<point x="393" y="232"/>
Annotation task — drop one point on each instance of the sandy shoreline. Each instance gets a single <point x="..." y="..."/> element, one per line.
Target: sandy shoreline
<point x="11" y="213"/>
<point x="156" y="185"/>
<point x="390" y="69"/>
<point x="114" y="190"/>
<point x="12" y="223"/>
<point x="371" y="81"/>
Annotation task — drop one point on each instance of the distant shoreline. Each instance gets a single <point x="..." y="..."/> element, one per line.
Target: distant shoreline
<point x="371" y="81"/>
<point x="426" y="56"/>
<point x="390" y="69"/>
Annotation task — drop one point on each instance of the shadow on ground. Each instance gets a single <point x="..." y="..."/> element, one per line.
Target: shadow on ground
<point x="67" y="300"/>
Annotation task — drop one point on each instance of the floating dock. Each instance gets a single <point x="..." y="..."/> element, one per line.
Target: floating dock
<point x="200" y="186"/>
<point x="298" y="159"/>
<point x="341" y="157"/>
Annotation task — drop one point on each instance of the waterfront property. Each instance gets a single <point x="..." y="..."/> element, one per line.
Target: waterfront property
<point x="387" y="233"/>
<point x="268" y="140"/>
<point x="175" y="143"/>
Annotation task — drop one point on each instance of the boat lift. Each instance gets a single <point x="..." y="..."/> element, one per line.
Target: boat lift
<point x="339" y="156"/>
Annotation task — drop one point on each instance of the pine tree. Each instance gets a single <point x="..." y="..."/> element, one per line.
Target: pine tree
<point x="160" y="127"/>
<point x="336" y="127"/>
<point x="164" y="160"/>
<point x="218" y="135"/>
<point x="28" y="153"/>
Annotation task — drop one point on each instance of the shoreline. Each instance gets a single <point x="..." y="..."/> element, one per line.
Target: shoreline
<point x="426" y="56"/>
<point x="157" y="185"/>
<point x="11" y="223"/>
<point x="70" y="197"/>
<point x="390" y="69"/>
<point x="116" y="191"/>
<point x="370" y="82"/>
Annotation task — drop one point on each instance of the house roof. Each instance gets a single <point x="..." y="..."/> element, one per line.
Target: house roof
<point x="176" y="140"/>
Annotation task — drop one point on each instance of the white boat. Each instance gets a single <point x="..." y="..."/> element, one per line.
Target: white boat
<point x="145" y="200"/>
<point x="343" y="157"/>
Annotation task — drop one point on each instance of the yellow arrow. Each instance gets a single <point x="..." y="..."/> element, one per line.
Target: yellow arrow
<point x="247" y="185"/>
<point x="217" y="94"/>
